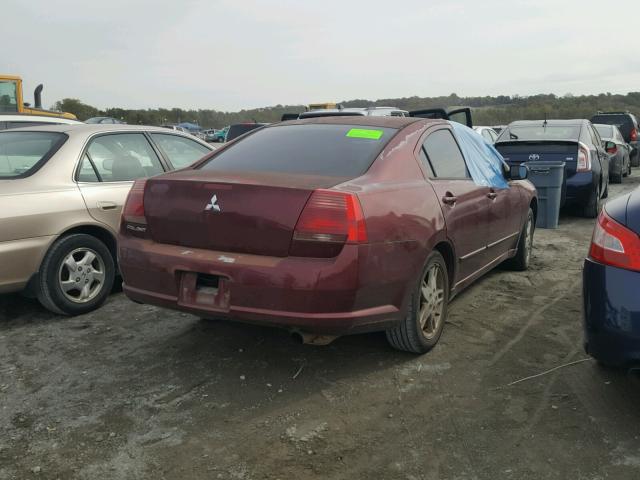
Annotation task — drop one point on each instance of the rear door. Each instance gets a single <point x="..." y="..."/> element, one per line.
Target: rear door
<point x="108" y="167"/>
<point x="465" y="205"/>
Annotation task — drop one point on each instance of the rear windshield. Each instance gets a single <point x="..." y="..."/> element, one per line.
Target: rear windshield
<point x="605" y="131"/>
<point x="236" y="130"/>
<point x="539" y="132"/>
<point x="617" y="120"/>
<point x="313" y="149"/>
<point x="22" y="153"/>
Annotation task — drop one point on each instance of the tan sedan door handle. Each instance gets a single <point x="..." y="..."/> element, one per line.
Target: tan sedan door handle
<point x="492" y="195"/>
<point x="107" y="205"/>
<point x="449" y="199"/>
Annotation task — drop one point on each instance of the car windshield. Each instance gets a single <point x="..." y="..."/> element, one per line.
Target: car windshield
<point x="540" y="132"/>
<point x="605" y="131"/>
<point x="314" y="149"/>
<point x="21" y="153"/>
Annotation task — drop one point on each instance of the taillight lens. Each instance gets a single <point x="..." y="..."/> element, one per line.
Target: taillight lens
<point x="614" y="244"/>
<point x="133" y="218"/>
<point x="584" y="158"/>
<point x="634" y="135"/>
<point x="328" y="221"/>
<point x="612" y="150"/>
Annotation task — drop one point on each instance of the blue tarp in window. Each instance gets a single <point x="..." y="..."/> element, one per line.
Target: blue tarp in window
<point x="483" y="160"/>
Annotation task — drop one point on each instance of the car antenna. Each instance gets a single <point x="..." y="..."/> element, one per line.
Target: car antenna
<point x="544" y="124"/>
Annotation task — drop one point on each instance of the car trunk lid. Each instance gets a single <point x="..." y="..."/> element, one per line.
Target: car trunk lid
<point x="242" y="213"/>
<point x="518" y="152"/>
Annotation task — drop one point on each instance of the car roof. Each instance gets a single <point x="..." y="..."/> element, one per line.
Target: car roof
<point x="570" y="122"/>
<point x="366" y="121"/>
<point x="92" y="128"/>
<point x="21" y="117"/>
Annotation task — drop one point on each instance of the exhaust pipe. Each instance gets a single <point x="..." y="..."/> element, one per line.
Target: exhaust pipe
<point x="312" y="338"/>
<point x="37" y="96"/>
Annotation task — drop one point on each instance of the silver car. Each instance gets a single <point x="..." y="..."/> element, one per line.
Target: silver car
<point x="62" y="189"/>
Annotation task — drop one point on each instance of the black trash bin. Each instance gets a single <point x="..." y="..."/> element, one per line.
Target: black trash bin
<point x="548" y="177"/>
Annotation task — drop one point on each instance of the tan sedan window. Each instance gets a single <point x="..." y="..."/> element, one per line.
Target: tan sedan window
<point x="118" y="158"/>
<point x="180" y="151"/>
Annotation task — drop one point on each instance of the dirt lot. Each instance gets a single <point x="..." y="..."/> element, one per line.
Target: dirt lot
<point x="133" y="391"/>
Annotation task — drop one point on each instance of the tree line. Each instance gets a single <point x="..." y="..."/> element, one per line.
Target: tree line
<point x="487" y="110"/>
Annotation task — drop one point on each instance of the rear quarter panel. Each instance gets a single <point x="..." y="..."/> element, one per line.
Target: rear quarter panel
<point x="403" y="220"/>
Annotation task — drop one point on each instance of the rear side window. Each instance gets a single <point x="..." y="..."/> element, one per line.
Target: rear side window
<point x="119" y="158"/>
<point x="22" y="153"/>
<point x="180" y="151"/>
<point x="445" y="158"/>
<point x="312" y="149"/>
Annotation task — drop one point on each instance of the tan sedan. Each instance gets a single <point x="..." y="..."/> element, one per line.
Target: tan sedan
<point x="62" y="188"/>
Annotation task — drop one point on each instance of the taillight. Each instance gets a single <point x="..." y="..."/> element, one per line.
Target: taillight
<point x="614" y="244"/>
<point x="584" y="158"/>
<point x="133" y="218"/>
<point x="328" y="221"/>
<point x="612" y="150"/>
<point x="634" y="135"/>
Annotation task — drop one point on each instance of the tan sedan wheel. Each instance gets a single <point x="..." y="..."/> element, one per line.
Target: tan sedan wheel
<point x="76" y="275"/>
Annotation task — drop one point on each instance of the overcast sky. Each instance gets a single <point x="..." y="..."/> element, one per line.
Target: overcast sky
<point x="233" y="54"/>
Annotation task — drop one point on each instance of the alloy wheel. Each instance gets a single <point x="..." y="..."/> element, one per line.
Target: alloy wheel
<point x="431" y="301"/>
<point x="81" y="275"/>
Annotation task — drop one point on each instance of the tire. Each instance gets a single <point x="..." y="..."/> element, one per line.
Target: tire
<point x="525" y="246"/>
<point x="81" y="261"/>
<point x="592" y="208"/>
<point x="412" y="335"/>
<point x="635" y="160"/>
<point x="629" y="168"/>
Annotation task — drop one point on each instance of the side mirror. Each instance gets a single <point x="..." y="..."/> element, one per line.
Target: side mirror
<point x="518" y="172"/>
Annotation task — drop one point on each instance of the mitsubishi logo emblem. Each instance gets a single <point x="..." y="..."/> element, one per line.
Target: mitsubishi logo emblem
<point x="213" y="204"/>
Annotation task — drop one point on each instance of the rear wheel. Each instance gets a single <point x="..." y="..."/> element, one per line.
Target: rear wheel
<point x="76" y="275"/>
<point x="421" y="328"/>
<point x="592" y="208"/>
<point x="616" y="178"/>
<point x="525" y="246"/>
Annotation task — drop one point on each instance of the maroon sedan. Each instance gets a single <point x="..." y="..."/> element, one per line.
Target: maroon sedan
<point x="325" y="226"/>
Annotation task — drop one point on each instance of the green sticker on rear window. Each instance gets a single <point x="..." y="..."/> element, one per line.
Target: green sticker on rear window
<point x="365" y="133"/>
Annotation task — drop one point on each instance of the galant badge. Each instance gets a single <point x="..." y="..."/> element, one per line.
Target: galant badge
<point x="534" y="156"/>
<point x="213" y="204"/>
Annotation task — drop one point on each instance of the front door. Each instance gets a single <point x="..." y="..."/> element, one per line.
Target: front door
<point x="465" y="205"/>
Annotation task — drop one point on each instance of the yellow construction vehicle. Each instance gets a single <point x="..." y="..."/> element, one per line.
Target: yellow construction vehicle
<point x="321" y="106"/>
<point x="11" y="100"/>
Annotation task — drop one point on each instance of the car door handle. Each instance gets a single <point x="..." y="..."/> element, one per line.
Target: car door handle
<point x="449" y="199"/>
<point x="107" y="205"/>
<point x="492" y="195"/>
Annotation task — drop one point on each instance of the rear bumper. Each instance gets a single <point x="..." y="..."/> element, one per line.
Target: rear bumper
<point x="580" y="187"/>
<point x="19" y="260"/>
<point x="328" y="296"/>
<point x="611" y="313"/>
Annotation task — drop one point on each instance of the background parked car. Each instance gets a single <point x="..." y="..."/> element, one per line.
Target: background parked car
<point x="62" y="189"/>
<point x="301" y="225"/>
<point x="17" y="120"/>
<point x="610" y="284"/>
<point x="238" y="129"/>
<point x="221" y="135"/>
<point x="574" y="142"/>
<point x="627" y="123"/>
<point x="104" y="120"/>
<point x="619" y="151"/>
<point x="488" y="133"/>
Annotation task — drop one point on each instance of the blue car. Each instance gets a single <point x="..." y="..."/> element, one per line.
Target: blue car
<point x="611" y="284"/>
<point x="574" y="142"/>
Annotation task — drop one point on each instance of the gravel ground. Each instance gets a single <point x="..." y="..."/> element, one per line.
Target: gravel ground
<point x="133" y="391"/>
